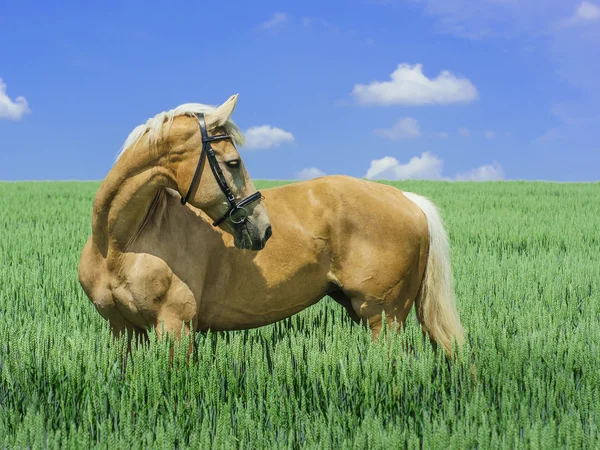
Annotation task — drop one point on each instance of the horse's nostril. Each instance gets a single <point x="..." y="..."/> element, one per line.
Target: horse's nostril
<point x="268" y="233"/>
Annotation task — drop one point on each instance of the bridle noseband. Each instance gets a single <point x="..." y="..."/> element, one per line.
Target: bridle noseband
<point x="236" y="212"/>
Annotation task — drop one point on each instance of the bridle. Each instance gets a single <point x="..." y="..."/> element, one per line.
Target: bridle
<point x="236" y="212"/>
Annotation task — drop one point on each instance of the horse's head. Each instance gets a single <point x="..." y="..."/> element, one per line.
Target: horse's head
<point x="211" y="176"/>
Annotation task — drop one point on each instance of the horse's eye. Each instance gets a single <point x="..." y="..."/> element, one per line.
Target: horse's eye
<point x="234" y="164"/>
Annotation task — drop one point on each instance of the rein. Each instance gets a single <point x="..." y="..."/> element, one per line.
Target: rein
<point x="236" y="212"/>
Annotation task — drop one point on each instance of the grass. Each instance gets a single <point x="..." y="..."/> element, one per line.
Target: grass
<point x="527" y="277"/>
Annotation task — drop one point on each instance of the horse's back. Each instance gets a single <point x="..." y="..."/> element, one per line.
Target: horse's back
<point x="353" y="205"/>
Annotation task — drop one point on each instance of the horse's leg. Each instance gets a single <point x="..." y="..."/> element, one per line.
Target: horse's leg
<point x="389" y="289"/>
<point x="120" y="326"/>
<point x="346" y="302"/>
<point x="172" y="324"/>
<point x="370" y="309"/>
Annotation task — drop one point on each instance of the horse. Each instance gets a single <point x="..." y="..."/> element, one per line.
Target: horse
<point x="182" y="241"/>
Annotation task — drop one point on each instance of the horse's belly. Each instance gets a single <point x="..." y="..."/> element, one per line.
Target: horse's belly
<point x="256" y="303"/>
<point x="235" y="317"/>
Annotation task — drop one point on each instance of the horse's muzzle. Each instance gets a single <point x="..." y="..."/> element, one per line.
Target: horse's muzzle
<point x="247" y="237"/>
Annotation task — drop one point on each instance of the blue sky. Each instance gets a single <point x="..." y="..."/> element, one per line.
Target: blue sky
<point x="451" y="89"/>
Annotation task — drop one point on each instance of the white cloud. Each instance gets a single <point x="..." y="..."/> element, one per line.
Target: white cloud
<point x="585" y="12"/>
<point x="404" y="128"/>
<point x="9" y="109"/>
<point x="464" y="132"/>
<point x="490" y="172"/>
<point x="489" y="134"/>
<point x="427" y="167"/>
<point x="409" y="86"/>
<point x="407" y="128"/>
<point x="588" y="11"/>
<point x="276" y="20"/>
<point x="310" y="172"/>
<point x="266" y="136"/>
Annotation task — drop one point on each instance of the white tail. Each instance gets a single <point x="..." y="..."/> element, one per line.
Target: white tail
<point x="436" y="305"/>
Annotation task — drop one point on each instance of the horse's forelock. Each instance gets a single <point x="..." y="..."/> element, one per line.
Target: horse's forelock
<point x="153" y="126"/>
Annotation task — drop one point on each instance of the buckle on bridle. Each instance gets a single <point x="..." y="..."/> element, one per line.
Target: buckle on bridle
<point x="243" y="217"/>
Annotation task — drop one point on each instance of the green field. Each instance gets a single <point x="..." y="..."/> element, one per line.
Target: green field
<point x="526" y="261"/>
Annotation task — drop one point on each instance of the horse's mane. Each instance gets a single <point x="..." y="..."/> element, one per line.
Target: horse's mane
<point x="153" y="126"/>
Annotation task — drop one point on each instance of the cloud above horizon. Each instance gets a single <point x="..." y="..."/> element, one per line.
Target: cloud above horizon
<point x="404" y="128"/>
<point x="9" y="109"/>
<point x="428" y="167"/>
<point x="309" y="173"/>
<point x="276" y="20"/>
<point x="409" y="86"/>
<point x="266" y="136"/>
<point x="585" y="12"/>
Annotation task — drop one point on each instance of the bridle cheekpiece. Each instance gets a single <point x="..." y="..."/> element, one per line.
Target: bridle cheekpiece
<point x="236" y="212"/>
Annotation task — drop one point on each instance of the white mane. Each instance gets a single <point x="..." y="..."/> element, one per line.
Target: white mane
<point x="154" y="125"/>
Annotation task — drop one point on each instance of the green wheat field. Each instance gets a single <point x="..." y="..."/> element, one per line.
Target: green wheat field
<point x="526" y="262"/>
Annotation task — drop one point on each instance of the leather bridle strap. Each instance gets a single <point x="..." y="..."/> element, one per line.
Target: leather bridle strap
<point x="235" y="208"/>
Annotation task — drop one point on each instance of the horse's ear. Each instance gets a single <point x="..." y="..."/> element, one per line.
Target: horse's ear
<point x="220" y="117"/>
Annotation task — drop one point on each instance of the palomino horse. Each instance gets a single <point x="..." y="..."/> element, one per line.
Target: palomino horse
<point x="156" y="259"/>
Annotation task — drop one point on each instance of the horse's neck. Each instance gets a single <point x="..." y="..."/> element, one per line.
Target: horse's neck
<point x="153" y="215"/>
<point x="125" y="197"/>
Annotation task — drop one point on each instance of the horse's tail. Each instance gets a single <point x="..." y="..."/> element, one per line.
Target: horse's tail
<point x="435" y="303"/>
